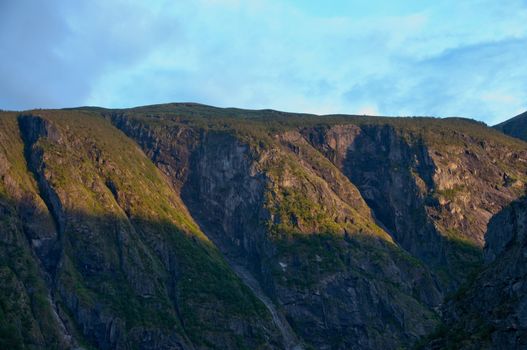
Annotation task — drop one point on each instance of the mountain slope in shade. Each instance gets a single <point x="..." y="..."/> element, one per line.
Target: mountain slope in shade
<point x="490" y="312"/>
<point x="193" y="227"/>
<point x="515" y="127"/>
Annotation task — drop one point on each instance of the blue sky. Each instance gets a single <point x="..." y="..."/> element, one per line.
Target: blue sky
<point x="439" y="58"/>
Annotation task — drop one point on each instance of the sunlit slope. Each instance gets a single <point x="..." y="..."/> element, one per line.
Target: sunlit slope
<point x="126" y="255"/>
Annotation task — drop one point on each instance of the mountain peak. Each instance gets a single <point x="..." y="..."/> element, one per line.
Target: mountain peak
<point x="515" y="127"/>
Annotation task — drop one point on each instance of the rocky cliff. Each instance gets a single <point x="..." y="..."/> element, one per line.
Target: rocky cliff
<point x="433" y="186"/>
<point x="192" y="227"/>
<point x="490" y="312"/>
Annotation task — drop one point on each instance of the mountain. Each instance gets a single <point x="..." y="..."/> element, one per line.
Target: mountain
<point x="184" y="226"/>
<point x="490" y="312"/>
<point x="515" y="127"/>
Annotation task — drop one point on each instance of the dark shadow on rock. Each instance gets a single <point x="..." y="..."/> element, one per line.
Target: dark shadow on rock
<point x="489" y="311"/>
<point x="128" y="283"/>
<point x="384" y="167"/>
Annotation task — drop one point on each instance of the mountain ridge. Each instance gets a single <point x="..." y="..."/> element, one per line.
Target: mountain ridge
<point x="353" y="229"/>
<point x="515" y="127"/>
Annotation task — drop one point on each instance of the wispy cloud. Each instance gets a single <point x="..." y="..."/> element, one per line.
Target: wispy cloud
<point x="398" y="58"/>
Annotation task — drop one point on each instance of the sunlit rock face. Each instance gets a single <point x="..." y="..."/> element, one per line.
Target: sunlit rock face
<point x="184" y="226"/>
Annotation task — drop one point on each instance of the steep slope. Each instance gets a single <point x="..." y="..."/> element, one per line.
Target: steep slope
<point x="279" y="208"/>
<point x="124" y="263"/>
<point x="192" y="227"/>
<point x="516" y="127"/>
<point x="491" y="311"/>
<point x="271" y="189"/>
<point x="28" y="315"/>
<point x="434" y="184"/>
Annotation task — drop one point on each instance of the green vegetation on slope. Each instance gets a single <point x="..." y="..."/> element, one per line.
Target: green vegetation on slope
<point x="129" y="246"/>
<point x="130" y="249"/>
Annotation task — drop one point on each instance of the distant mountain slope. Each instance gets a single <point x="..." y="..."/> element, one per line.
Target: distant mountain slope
<point x="516" y="127"/>
<point x="194" y="227"/>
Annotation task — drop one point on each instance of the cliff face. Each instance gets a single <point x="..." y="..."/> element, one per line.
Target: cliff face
<point x="434" y="189"/>
<point x="190" y="227"/>
<point x="283" y="214"/>
<point x="491" y="311"/>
